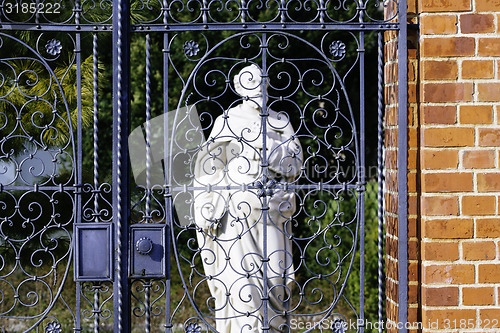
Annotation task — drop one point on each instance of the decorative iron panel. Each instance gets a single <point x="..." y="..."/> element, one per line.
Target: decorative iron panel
<point x="190" y="166"/>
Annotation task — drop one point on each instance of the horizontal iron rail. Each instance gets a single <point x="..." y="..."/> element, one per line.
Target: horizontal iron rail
<point x="40" y="188"/>
<point x="203" y="27"/>
<point x="278" y="186"/>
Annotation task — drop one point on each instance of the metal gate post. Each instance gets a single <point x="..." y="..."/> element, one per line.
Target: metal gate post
<point x="402" y="166"/>
<point x="121" y="191"/>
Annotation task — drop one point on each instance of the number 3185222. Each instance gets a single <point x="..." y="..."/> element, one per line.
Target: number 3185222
<point x="32" y="8"/>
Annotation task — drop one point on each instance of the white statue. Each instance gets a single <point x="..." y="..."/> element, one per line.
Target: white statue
<point x="231" y="221"/>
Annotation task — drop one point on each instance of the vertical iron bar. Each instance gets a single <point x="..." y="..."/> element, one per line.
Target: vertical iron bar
<point x="37" y="12"/>
<point x="96" y="130"/>
<point x="148" y="129"/>
<point x="362" y="178"/>
<point x="322" y="10"/>
<point x="120" y="167"/>
<point x="380" y="177"/>
<point x="243" y="10"/>
<point x="79" y="161"/>
<point x="283" y="11"/>
<point x="402" y="166"/>
<point x="96" y="309"/>
<point x="147" y="306"/>
<point x="265" y="205"/>
<point x="166" y="161"/>
<point x="204" y="11"/>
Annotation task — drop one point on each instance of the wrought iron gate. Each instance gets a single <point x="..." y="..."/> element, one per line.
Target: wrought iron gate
<point x="190" y="165"/>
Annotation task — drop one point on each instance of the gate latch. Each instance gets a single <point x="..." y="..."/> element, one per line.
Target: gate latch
<point x="147" y="251"/>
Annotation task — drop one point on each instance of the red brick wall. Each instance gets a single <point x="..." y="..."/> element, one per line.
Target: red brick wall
<point x="453" y="162"/>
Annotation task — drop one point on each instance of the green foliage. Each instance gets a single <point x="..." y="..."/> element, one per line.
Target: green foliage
<point x="36" y="98"/>
<point x="371" y="258"/>
<point x="326" y="223"/>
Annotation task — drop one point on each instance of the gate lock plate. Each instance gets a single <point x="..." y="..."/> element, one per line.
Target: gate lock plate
<point x="93" y="252"/>
<point x="147" y="251"/>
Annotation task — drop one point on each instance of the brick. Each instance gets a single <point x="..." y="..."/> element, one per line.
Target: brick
<point x="448" y="228"/>
<point x="489" y="273"/>
<point x="488" y="182"/>
<point x="438" y="24"/>
<point x="413" y="316"/>
<point x="413" y="253"/>
<point x="440" y="206"/>
<point x="412" y="93"/>
<point x="391" y="94"/>
<point x="479" y="159"/>
<point x="413" y="271"/>
<point x="447" y="92"/>
<point x="391" y="245"/>
<point x="447" y="182"/>
<point x="443" y="296"/>
<point x="411" y="183"/>
<point x="391" y="180"/>
<point x="391" y="159"/>
<point x="448" y="137"/>
<point x="477" y="23"/>
<point x="413" y="294"/>
<point x="451" y="273"/>
<point x="411" y="71"/>
<point x="488" y="92"/>
<point x="412" y="51"/>
<point x="391" y="202"/>
<point x="488" y="228"/>
<point x="391" y="137"/>
<point x="391" y="289"/>
<point x="439" y="251"/>
<point x="478" y="69"/>
<point x="412" y="227"/>
<point x="444" y="5"/>
<point x="447" y="318"/>
<point x="391" y="116"/>
<point x="479" y="250"/>
<point x="392" y="312"/>
<point x="478" y="296"/>
<point x="439" y="70"/>
<point x="412" y="137"/>
<point x="490" y="316"/>
<point x="412" y="159"/>
<point x="391" y="268"/>
<point x="476" y="114"/>
<point x="489" y="137"/>
<point x="448" y="47"/>
<point x="439" y="114"/>
<point x="412" y="6"/>
<point x="488" y="47"/>
<point x="440" y="159"/>
<point x="413" y="120"/>
<point x="487" y="5"/>
<point x="478" y="205"/>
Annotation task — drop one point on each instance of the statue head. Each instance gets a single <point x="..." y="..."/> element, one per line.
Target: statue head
<point x="248" y="83"/>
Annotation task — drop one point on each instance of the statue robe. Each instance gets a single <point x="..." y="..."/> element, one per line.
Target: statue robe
<point x="231" y="221"/>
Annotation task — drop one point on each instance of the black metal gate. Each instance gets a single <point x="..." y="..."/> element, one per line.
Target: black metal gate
<point x="192" y="165"/>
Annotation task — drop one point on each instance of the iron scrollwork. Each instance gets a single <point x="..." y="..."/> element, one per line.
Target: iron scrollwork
<point x="322" y="259"/>
<point x="36" y="146"/>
